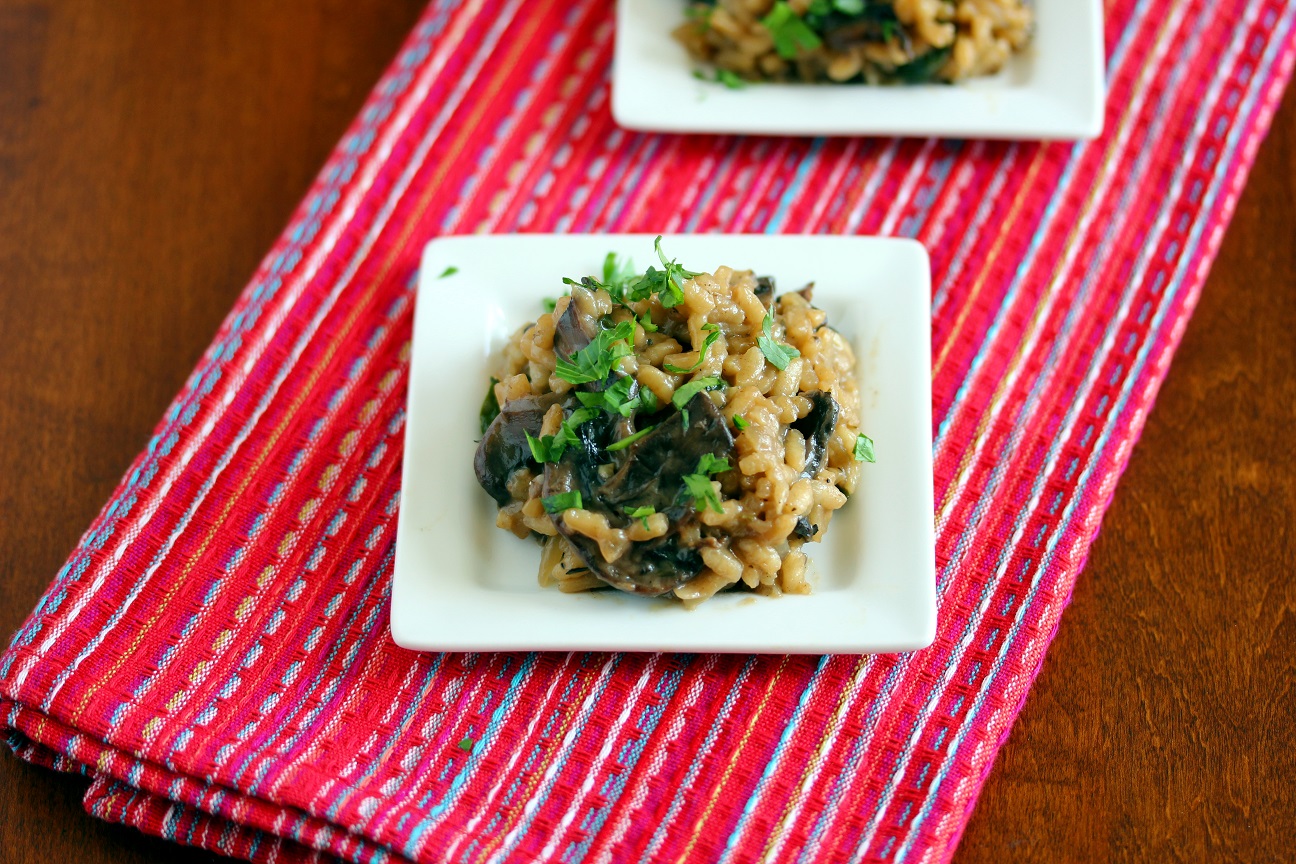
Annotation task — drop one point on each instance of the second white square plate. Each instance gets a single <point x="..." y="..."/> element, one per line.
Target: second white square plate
<point x="462" y="584"/>
<point x="1055" y="89"/>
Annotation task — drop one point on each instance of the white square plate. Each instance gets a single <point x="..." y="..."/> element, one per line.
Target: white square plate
<point x="1052" y="90"/>
<point x="462" y="584"/>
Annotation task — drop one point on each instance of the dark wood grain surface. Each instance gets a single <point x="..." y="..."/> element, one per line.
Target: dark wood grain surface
<point x="151" y="151"/>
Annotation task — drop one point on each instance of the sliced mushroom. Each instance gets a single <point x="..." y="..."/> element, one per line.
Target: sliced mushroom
<point x="570" y="334"/>
<point x="503" y="449"/>
<point x="650" y="475"/>
<point x="817" y="427"/>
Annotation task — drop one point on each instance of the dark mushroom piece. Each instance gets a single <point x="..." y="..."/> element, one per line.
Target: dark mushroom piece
<point x="765" y="290"/>
<point x="570" y="335"/>
<point x="817" y="428"/>
<point x="650" y="475"/>
<point x="504" y="449"/>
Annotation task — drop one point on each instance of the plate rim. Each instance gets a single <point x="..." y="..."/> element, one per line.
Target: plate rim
<point x="409" y="633"/>
<point x="1069" y="121"/>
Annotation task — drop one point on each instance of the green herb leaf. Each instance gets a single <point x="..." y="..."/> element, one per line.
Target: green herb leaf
<point x="775" y="352"/>
<point x="490" y="406"/>
<point x="449" y="271"/>
<point x="791" y="35"/>
<point x="726" y="77"/>
<point x="648" y="400"/>
<point x="617" y="275"/>
<point x="630" y="439"/>
<point x="551" y="448"/>
<point x="596" y="360"/>
<point x="567" y="436"/>
<point x="666" y="285"/>
<point x="709" y="464"/>
<point x="466" y="745"/>
<point x="549" y="303"/>
<point x="562" y="502"/>
<point x="541" y="448"/>
<point x="646" y="322"/>
<point x="864" y="448"/>
<point x="703" y="492"/>
<point x="740" y="422"/>
<point x="641" y="513"/>
<point x="713" y="333"/>
<point x="686" y="392"/>
<point x="616" y="399"/>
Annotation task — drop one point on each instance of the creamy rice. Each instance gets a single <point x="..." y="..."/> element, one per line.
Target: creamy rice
<point x="771" y="453"/>
<point x="889" y="40"/>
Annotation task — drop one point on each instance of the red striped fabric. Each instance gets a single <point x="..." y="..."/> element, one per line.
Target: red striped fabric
<point x="215" y="654"/>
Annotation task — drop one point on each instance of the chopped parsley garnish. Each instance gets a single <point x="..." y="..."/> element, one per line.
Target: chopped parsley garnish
<point x="562" y="502"/>
<point x="646" y="322"/>
<point x="702" y="490"/>
<point x="617" y="275"/>
<point x="709" y="464"/>
<point x="490" y="406"/>
<point x="667" y="284"/>
<point x="641" y="513"/>
<point x="549" y="303"/>
<point x="740" y="422"/>
<point x="722" y="76"/>
<point x="596" y="360"/>
<point x="541" y="448"/>
<point x="775" y="352"/>
<point x="699" y="484"/>
<point x="713" y="333"/>
<point x="864" y="448"/>
<point x="616" y="399"/>
<point x="686" y="393"/>
<point x="648" y="400"/>
<point x="466" y="744"/>
<point x="449" y="271"/>
<point x="630" y="439"/>
<point x="550" y="448"/>
<point x="791" y="35"/>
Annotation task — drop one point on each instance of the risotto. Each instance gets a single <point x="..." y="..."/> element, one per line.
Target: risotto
<point x="673" y="433"/>
<point x="870" y="41"/>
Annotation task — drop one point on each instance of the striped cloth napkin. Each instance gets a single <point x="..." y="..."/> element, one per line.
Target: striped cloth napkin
<point x="215" y="655"/>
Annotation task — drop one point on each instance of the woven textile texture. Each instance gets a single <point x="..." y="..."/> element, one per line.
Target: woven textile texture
<point x="215" y="654"/>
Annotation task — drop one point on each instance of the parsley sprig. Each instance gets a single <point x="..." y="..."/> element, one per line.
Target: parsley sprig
<point x="596" y="360"/>
<point x="563" y="501"/>
<point x="778" y="353"/>
<point x="550" y="448"/>
<point x="630" y="439"/>
<point x="685" y="394"/>
<point x="863" y="451"/>
<point x="713" y="333"/>
<point x="700" y="486"/>
<point x="616" y="399"/>
<point x="721" y="76"/>
<point x="790" y="33"/>
<point x="666" y="284"/>
<point x="641" y="513"/>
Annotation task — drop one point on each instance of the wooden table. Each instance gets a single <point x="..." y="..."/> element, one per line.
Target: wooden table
<point x="151" y="151"/>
